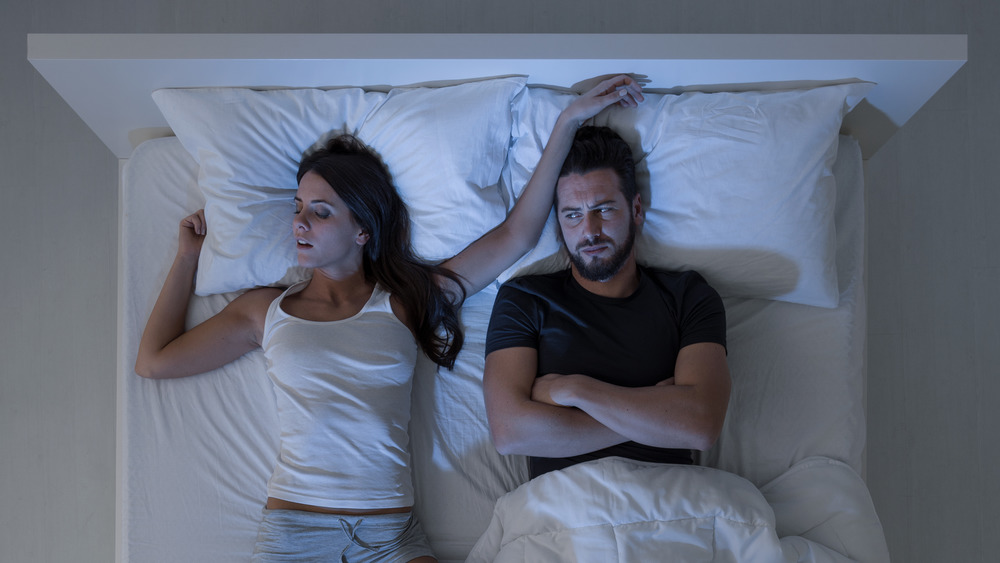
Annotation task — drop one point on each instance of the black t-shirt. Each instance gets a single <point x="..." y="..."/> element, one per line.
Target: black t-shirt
<point x="631" y="341"/>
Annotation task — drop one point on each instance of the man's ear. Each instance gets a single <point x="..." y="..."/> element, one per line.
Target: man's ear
<point x="638" y="214"/>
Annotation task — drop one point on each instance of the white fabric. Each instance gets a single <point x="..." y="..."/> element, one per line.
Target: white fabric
<point x="343" y="406"/>
<point x="619" y="510"/>
<point x="445" y="148"/>
<point x="737" y="186"/>
<point x="823" y="501"/>
<point x="804" y="364"/>
<point x="197" y="452"/>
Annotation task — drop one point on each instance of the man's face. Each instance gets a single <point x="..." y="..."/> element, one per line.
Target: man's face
<point x="598" y="226"/>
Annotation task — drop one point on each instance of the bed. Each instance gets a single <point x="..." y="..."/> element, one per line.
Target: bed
<point x="714" y="139"/>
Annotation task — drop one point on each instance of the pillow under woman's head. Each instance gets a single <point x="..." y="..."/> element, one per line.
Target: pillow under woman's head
<point x="445" y="148"/>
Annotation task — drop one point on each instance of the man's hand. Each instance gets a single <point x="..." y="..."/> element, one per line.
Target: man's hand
<point x="546" y="386"/>
<point x="523" y="415"/>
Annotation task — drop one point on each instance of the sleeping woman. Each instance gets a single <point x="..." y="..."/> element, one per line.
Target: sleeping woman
<point x="341" y="347"/>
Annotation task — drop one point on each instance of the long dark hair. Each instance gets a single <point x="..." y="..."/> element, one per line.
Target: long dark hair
<point x="363" y="182"/>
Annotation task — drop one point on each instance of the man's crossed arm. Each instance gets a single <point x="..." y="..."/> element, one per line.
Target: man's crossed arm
<point x="566" y="415"/>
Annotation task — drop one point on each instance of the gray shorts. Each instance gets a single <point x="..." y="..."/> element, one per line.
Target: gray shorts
<point x="294" y="535"/>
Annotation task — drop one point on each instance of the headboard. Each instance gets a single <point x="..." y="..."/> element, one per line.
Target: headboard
<point x="108" y="78"/>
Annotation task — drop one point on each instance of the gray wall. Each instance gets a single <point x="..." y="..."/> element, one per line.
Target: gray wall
<point x="934" y="327"/>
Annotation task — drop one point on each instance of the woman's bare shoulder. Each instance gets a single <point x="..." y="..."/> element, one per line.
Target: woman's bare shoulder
<point x="254" y="303"/>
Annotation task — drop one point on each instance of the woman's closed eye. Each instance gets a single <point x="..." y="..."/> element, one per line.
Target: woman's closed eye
<point x="317" y="211"/>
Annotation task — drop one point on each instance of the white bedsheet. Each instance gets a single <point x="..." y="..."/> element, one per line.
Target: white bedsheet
<point x="619" y="510"/>
<point x="196" y="452"/>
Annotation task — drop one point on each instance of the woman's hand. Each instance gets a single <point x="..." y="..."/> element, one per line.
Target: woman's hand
<point x="168" y="348"/>
<point x="191" y="235"/>
<point x="623" y="90"/>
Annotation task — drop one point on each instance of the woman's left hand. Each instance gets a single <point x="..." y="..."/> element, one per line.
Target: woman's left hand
<point x="623" y="90"/>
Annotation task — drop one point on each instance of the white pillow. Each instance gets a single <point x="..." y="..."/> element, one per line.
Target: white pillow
<point x="248" y="145"/>
<point x="444" y="146"/>
<point x="737" y="186"/>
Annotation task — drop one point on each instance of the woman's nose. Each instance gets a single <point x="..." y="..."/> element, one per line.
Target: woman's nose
<point x="299" y="222"/>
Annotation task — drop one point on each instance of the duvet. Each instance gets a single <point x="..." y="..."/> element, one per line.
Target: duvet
<point x="618" y="510"/>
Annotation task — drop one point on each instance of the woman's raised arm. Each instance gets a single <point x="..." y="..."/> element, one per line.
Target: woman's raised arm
<point x="166" y="349"/>
<point x="483" y="260"/>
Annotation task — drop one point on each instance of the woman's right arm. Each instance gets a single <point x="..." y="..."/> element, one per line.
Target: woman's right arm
<point x="166" y="350"/>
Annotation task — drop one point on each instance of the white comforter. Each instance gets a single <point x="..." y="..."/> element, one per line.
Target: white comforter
<point x="818" y="511"/>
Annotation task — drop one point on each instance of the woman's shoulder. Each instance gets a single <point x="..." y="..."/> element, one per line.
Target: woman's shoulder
<point x="262" y="294"/>
<point x="399" y="310"/>
<point x="255" y="302"/>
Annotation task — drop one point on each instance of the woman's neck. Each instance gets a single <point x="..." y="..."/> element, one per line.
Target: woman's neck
<point x="325" y="298"/>
<point x="338" y="288"/>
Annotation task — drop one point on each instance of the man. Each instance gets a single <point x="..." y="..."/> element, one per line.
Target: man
<point x="609" y="357"/>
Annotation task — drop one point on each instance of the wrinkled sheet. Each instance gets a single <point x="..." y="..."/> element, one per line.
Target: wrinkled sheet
<point x="619" y="510"/>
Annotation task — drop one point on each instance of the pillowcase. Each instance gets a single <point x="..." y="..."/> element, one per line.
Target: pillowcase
<point x="248" y="145"/>
<point x="445" y="148"/>
<point x="735" y="185"/>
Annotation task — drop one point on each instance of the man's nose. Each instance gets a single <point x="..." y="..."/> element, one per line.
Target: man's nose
<point x="591" y="224"/>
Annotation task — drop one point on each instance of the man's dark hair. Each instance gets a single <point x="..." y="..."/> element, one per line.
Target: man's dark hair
<point x="595" y="148"/>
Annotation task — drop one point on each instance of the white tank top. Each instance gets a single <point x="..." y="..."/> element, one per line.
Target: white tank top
<point x="343" y="398"/>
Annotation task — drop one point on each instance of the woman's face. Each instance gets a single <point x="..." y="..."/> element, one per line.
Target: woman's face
<point x="326" y="235"/>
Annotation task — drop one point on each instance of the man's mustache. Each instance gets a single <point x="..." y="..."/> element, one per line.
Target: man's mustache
<point x="593" y="242"/>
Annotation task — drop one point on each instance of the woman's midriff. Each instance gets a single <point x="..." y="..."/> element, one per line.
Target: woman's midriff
<point x="279" y="504"/>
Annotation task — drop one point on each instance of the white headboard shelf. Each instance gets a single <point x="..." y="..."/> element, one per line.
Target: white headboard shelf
<point x="108" y="79"/>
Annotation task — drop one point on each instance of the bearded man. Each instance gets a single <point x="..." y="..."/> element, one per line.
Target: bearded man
<point x="608" y="357"/>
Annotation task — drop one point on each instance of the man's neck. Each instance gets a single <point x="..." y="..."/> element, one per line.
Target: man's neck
<point x="622" y="284"/>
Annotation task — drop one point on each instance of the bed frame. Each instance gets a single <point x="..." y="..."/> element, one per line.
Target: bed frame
<point x="108" y="79"/>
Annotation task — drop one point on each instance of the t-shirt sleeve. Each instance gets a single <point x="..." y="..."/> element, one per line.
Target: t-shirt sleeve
<point x="702" y="314"/>
<point x="514" y="321"/>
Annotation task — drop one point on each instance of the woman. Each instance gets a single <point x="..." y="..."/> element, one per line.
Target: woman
<point x="341" y="347"/>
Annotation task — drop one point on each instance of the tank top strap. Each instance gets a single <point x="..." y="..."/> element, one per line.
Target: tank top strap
<point x="379" y="301"/>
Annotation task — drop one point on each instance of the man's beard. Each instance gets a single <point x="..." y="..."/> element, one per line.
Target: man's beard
<point x="602" y="270"/>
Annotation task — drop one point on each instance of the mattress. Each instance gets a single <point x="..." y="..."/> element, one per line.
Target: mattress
<point x="196" y="452"/>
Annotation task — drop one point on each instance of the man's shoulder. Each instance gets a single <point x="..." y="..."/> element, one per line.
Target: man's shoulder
<point x="534" y="283"/>
<point x="684" y="289"/>
<point x="675" y="279"/>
